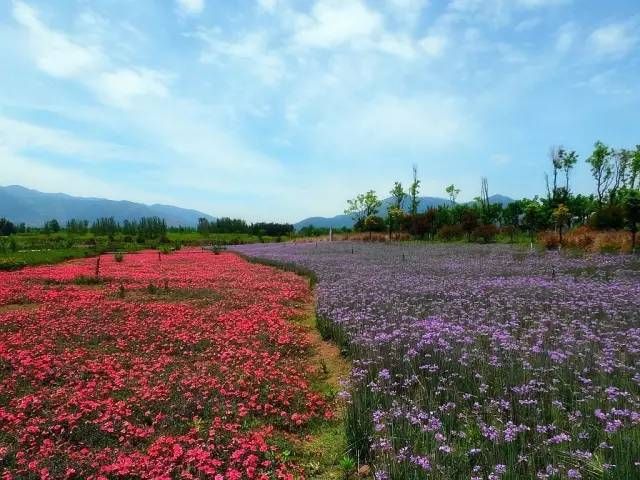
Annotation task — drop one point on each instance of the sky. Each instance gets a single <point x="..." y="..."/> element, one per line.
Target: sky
<point x="281" y="109"/>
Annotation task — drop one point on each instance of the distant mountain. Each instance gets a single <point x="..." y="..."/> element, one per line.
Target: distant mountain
<point x="340" y="221"/>
<point x="20" y="204"/>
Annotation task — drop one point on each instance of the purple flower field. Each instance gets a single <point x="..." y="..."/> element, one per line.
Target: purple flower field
<point x="482" y="361"/>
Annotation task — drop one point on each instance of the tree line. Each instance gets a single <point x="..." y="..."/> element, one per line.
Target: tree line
<point x="235" y="225"/>
<point x="145" y="227"/>
<point x="615" y="203"/>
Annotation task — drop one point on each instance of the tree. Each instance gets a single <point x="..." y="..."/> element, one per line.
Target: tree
<point x="453" y="193"/>
<point x="398" y="194"/>
<point x="561" y="215"/>
<point x="512" y="214"/>
<point x="601" y="169"/>
<point x="363" y="206"/>
<point x="631" y="205"/>
<point x="469" y="222"/>
<point x="634" y="169"/>
<point x="371" y="203"/>
<point x="532" y="218"/>
<point x="6" y="227"/>
<point x="581" y="206"/>
<point x="570" y="160"/>
<point x="395" y="211"/>
<point x="374" y="223"/>
<point x="424" y="223"/>
<point x="355" y="208"/>
<point x="414" y="191"/>
<point x="203" y="226"/>
<point x="562" y="160"/>
<point x="621" y="159"/>
<point x="51" y="226"/>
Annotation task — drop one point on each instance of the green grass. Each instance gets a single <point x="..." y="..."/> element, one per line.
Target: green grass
<point x="17" y="260"/>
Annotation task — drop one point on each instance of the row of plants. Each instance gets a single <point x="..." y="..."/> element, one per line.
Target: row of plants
<point x="615" y="205"/>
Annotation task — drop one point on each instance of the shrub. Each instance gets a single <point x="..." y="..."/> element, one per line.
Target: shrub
<point x="510" y="231"/>
<point x="118" y="257"/>
<point x="609" y="217"/>
<point x="612" y="242"/>
<point x="450" y="232"/>
<point x="487" y="233"/>
<point x="582" y="237"/>
<point x="549" y="239"/>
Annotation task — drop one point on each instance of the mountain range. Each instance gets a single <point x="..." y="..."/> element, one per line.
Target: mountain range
<point x="20" y="204"/>
<point x="340" y="221"/>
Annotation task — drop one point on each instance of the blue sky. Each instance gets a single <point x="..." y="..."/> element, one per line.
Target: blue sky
<point x="282" y="109"/>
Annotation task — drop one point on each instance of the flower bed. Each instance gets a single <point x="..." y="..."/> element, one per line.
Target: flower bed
<point x="483" y="362"/>
<point x="174" y="366"/>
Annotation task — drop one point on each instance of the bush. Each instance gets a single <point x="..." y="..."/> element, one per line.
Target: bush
<point x="609" y="217"/>
<point x="549" y="239"/>
<point x="612" y="242"/>
<point x="374" y="223"/>
<point x="582" y="237"/>
<point x="450" y="232"/>
<point x="118" y="257"/>
<point x="487" y="233"/>
<point x="510" y="231"/>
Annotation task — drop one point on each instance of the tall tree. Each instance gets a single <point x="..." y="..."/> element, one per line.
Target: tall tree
<point x="568" y="162"/>
<point x="363" y="206"/>
<point x="453" y="193"/>
<point x="621" y="159"/>
<point x="355" y="208"/>
<point x="414" y="191"/>
<point x="395" y="211"/>
<point x="601" y="169"/>
<point x="561" y="215"/>
<point x="398" y="194"/>
<point x="634" y="169"/>
<point x="631" y="205"/>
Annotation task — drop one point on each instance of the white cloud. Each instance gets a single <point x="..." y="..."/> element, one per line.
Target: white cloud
<point x="336" y="22"/>
<point x="191" y="7"/>
<point x="406" y="11"/>
<point x="399" y="124"/>
<point x="18" y="136"/>
<point x="54" y="52"/>
<point x="251" y="51"/>
<point x="397" y="45"/>
<point x="565" y="37"/>
<point x="615" y="39"/>
<point x="122" y="86"/>
<point x="59" y="55"/>
<point x="433" y="45"/>
<point x="268" y="5"/>
<point x="20" y="170"/>
<point x="527" y="24"/>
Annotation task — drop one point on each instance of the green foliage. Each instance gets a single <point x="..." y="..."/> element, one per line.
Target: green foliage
<point x="363" y="206"/>
<point x="450" y="232"/>
<point x="486" y="233"/>
<point x="608" y="217"/>
<point x="51" y="226"/>
<point x="452" y="192"/>
<point x="469" y="221"/>
<point x="6" y="227"/>
<point x="414" y="190"/>
<point x="374" y="223"/>
<point x="601" y="168"/>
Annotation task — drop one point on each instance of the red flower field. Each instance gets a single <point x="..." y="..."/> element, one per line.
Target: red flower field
<point x="175" y="366"/>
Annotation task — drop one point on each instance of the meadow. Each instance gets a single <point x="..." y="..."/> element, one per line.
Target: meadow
<point x="158" y="366"/>
<point x="481" y="361"/>
<point x="39" y="248"/>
